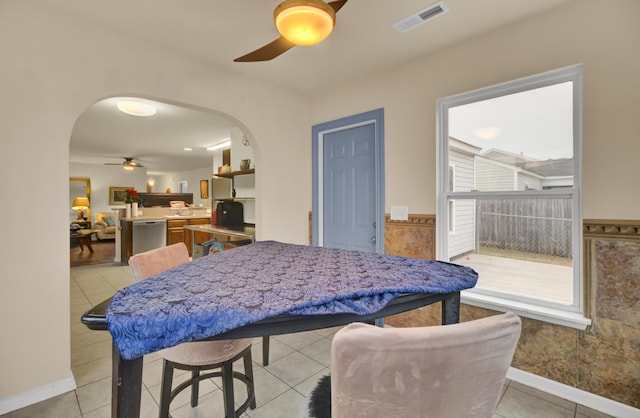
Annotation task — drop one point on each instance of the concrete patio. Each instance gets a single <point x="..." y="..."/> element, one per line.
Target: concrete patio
<point x="541" y="280"/>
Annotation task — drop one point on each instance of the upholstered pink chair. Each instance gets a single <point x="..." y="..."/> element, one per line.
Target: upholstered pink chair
<point x="441" y="371"/>
<point x="196" y="356"/>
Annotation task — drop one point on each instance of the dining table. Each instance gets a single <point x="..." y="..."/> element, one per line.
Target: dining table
<point x="263" y="289"/>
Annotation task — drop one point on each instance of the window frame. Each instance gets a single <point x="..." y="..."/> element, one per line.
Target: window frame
<point x="572" y="315"/>
<point x="451" y="205"/>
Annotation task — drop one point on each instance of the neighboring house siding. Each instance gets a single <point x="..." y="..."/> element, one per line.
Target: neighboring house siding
<point x="463" y="167"/>
<point x="493" y="176"/>
<point x="529" y="181"/>
<point x="555" y="182"/>
<point x="462" y="240"/>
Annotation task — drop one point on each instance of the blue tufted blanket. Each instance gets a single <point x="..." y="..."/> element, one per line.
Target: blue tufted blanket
<point x="226" y="290"/>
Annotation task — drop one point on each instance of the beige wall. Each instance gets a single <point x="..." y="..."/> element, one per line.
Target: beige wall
<point x="52" y="68"/>
<point x="604" y="359"/>
<point x="604" y="39"/>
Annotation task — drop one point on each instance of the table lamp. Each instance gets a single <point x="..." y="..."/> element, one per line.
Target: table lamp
<point x="80" y="204"/>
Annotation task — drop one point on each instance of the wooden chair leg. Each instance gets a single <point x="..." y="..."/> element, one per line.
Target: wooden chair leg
<point x="227" y="390"/>
<point x="248" y="371"/>
<point x="194" y="388"/>
<point x="165" y="389"/>
<point x="265" y="350"/>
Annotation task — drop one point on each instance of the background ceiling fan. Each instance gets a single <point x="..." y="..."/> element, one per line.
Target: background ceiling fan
<point x="299" y="22"/>
<point x="128" y="163"/>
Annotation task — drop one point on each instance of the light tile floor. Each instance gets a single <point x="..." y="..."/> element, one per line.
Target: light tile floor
<point x="297" y="361"/>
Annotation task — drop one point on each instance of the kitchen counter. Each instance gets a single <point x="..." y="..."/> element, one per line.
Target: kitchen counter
<point x="238" y="235"/>
<point x="156" y="214"/>
<point x="165" y="217"/>
<point x="247" y="232"/>
<point x="127" y="244"/>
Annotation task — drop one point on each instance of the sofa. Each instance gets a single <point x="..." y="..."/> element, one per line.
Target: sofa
<point x="105" y="224"/>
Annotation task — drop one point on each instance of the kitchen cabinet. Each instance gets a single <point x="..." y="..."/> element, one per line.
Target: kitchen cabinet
<point x="199" y="236"/>
<point x="176" y="232"/>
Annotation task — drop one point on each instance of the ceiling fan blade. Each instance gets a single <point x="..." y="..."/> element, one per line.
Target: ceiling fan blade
<point x="128" y="162"/>
<point x="267" y="52"/>
<point x="280" y="45"/>
<point x="337" y="5"/>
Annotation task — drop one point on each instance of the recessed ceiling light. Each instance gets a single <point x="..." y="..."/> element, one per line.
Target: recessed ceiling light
<point x="187" y="149"/>
<point x="220" y="145"/>
<point x="136" y="108"/>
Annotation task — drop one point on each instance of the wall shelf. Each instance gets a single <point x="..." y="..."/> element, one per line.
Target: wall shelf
<point x="232" y="174"/>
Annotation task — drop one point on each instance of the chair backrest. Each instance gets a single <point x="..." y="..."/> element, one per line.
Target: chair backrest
<point x="440" y="371"/>
<point x="155" y="261"/>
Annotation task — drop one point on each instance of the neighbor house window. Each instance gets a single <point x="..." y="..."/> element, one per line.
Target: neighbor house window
<point x="509" y="161"/>
<point x="452" y="204"/>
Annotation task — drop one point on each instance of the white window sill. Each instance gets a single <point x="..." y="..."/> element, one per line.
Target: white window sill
<point x="541" y="313"/>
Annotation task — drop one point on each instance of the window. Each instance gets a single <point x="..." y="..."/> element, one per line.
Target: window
<point x="452" y="204"/>
<point x="452" y="217"/>
<point x="509" y="164"/>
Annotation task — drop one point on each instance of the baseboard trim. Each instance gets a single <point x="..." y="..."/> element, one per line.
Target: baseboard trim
<point x="35" y="395"/>
<point x="579" y="396"/>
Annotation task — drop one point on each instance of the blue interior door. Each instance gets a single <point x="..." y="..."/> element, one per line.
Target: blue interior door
<point x="349" y="188"/>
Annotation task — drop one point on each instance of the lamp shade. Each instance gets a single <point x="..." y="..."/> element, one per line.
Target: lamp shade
<point x="304" y="22"/>
<point x="80" y="203"/>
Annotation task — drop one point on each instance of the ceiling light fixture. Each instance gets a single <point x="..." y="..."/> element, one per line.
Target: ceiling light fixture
<point x="220" y="145"/>
<point x="187" y="149"/>
<point x="304" y="22"/>
<point x="136" y="108"/>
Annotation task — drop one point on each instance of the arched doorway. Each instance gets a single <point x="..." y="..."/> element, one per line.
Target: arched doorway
<point x="175" y="147"/>
<point x="88" y="152"/>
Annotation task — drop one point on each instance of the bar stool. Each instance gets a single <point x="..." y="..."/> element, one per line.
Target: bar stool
<point x="200" y="355"/>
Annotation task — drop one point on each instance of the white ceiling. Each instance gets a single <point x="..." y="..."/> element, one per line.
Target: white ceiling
<point x="103" y="134"/>
<point x="362" y="43"/>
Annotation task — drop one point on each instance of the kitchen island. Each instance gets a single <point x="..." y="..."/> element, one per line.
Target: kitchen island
<point x="174" y="230"/>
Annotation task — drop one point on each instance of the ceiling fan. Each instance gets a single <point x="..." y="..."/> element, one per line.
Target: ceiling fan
<point x="128" y="163"/>
<point x="299" y="22"/>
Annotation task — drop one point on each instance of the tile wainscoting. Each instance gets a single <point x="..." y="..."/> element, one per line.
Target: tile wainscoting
<point x="603" y="360"/>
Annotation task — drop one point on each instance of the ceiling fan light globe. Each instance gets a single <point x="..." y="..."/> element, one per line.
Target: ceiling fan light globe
<point x="304" y="22"/>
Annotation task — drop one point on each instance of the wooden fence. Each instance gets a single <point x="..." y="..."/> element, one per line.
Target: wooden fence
<point x="541" y="226"/>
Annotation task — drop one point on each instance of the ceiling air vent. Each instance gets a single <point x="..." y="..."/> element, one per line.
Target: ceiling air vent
<point x="420" y="17"/>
